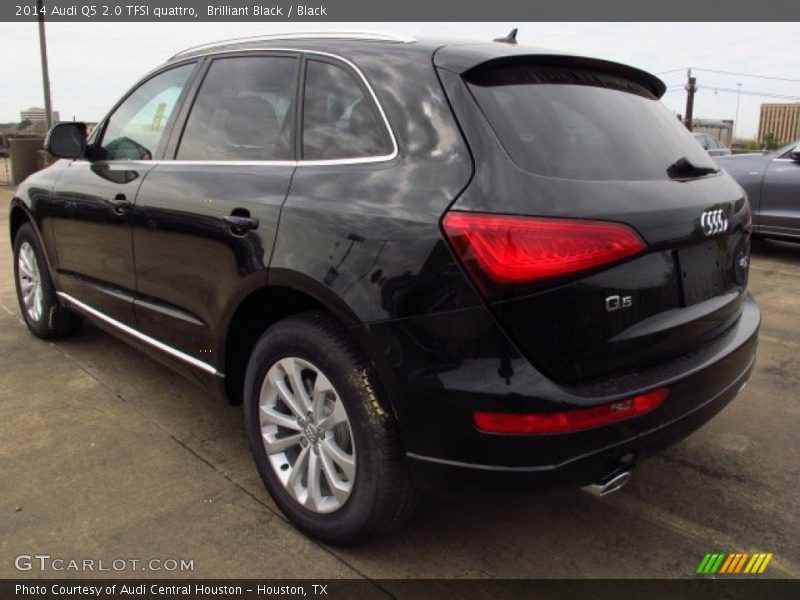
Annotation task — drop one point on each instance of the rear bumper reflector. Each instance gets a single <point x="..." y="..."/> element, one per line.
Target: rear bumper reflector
<point x="572" y="420"/>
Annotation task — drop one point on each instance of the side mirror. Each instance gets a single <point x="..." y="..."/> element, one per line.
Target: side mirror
<point x="795" y="154"/>
<point x="66" y="140"/>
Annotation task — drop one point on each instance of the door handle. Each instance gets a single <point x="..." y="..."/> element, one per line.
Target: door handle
<point x="120" y="204"/>
<point x="240" y="225"/>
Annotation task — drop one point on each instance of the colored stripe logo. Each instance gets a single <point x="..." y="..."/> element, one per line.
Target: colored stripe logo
<point x="737" y="562"/>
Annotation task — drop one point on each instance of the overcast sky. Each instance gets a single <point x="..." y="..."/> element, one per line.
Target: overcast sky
<point x="91" y="65"/>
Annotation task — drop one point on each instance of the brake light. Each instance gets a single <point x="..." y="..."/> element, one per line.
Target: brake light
<point x="573" y="420"/>
<point x="512" y="250"/>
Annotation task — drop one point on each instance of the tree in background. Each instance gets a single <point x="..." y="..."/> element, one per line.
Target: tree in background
<point x="770" y="141"/>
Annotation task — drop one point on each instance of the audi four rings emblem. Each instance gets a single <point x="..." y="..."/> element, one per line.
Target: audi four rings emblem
<point x="714" y="222"/>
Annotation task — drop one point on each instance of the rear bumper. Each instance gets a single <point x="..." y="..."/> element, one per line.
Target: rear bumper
<point x="441" y="369"/>
<point x="579" y="470"/>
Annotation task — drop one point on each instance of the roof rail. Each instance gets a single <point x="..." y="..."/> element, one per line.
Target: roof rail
<point x="325" y="35"/>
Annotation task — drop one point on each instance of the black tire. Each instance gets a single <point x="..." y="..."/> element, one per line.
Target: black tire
<point x="54" y="320"/>
<point x="382" y="494"/>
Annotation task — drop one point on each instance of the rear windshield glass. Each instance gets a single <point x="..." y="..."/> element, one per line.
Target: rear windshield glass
<point x="580" y="124"/>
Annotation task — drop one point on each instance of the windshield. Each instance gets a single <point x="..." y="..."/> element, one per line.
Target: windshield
<point x="579" y="124"/>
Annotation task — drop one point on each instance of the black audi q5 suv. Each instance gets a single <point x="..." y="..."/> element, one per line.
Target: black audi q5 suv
<point x="412" y="261"/>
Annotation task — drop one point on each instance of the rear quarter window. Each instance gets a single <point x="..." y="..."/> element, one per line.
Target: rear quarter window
<point x="340" y="121"/>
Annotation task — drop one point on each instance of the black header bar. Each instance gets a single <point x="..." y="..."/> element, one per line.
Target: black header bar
<point x="322" y="11"/>
<point x="700" y="588"/>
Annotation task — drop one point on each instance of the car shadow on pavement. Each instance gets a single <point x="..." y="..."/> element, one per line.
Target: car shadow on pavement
<point x="458" y="533"/>
<point x="535" y="532"/>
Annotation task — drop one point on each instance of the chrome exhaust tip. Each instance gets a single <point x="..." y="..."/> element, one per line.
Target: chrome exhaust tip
<point x="613" y="484"/>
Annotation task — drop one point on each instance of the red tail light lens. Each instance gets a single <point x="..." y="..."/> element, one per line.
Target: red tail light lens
<point x="573" y="420"/>
<point x="512" y="250"/>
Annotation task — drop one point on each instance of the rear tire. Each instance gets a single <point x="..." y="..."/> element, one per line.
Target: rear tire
<point x="43" y="313"/>
<point x="335" y="464"/>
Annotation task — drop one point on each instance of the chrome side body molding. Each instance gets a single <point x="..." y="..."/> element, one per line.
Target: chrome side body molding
<point x="85" y="308"/>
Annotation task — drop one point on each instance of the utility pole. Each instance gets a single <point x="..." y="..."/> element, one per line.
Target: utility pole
<point x="736" y="118"/>
<point x="691" y="88"/>
<point x="48" y="115"/>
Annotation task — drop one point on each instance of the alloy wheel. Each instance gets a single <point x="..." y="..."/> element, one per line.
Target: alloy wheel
<point x="30" y="282"/>
<point x="307" y="435"/>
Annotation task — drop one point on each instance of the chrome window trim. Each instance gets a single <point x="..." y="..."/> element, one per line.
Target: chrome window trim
<point x="141" y="336"/>
<point x="277" y="163"/>
<point x="234" y="163"/>
<point x="242" y="163"/>
<point x="320" y="35"/>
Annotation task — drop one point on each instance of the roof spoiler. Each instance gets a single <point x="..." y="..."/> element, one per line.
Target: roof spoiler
<point x="647" y="80"/>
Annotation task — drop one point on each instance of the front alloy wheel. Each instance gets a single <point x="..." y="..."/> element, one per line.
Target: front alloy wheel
<point x="30" y="282"/>
<point x="307" y="435"/>
<point x="44" y="315"/>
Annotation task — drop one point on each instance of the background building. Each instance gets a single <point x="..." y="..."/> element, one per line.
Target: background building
<point x="722" y="129"/>
<point x="36" y="115"/>
<point x="781" y="120"/>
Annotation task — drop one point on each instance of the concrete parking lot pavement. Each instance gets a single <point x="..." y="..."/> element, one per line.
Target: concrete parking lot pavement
<point x="106" y="454"/>
<point x="5" y="171"/>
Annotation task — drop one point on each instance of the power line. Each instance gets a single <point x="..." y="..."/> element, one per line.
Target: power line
<point x="678" y="87"/>
<point x="770" y="77"/>
<point x="750" y="93"/>
<point x="748" y="75"/>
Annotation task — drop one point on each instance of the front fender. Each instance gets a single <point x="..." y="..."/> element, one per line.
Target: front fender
<point x="20" y="213"/>
<point x="31" y="204"/>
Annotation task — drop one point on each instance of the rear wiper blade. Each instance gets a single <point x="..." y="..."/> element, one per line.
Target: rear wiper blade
<point x="683" y="169"/>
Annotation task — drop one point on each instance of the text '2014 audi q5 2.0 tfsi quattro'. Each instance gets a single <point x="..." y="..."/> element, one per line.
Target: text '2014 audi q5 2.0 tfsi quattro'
<point x="408" y="259"/>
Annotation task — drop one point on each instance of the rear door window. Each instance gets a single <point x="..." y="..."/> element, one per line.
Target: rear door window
<point x="578" y="124"/>
<point x="243" y="111"/>
<point x="340" y="121"/>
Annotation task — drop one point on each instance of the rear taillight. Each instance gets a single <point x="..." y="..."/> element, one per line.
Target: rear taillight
<point x="508" y="250"/>
<point x="573" y="420"/>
